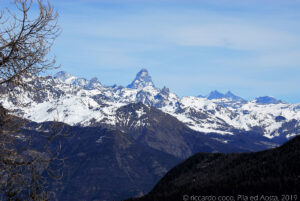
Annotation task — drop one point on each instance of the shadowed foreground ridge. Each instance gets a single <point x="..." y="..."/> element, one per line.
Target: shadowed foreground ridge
<point x="270" y="172"/>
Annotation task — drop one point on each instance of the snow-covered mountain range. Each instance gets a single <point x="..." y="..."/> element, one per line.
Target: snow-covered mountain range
<point x="78" y="101"/>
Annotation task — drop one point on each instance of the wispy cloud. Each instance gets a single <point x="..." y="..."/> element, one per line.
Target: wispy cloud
<point x="237" y="36"/>
<point x="208" y="29"/>
<point x="226" y="43"/>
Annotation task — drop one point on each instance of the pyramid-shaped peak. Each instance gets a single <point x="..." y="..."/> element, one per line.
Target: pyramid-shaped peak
<point x="142" y="79"/>
<point x="143" y="73"/>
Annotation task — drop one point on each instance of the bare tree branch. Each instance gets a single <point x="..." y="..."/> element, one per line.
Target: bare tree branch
<point x="25" y="42"/>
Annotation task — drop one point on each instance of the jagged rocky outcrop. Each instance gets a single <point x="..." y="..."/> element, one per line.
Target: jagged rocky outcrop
<point x="69" y="96"/>
<point x="142" y="80"/>
<point x="78" y="101"/>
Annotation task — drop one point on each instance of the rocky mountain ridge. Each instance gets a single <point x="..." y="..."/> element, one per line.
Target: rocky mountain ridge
<point x="78" y="101"/>
<point x="121" y="130"/>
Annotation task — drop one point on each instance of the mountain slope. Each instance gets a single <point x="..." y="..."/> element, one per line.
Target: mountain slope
<point x="271" y="172"/>
<point x="132" y="158"/>
<point x="78" y="101"/>
<point x="163" y="132"/>
<point x="102" y="164"/>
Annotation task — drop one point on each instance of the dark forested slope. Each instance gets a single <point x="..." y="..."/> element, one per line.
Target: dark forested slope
<point x="271" y="172"/>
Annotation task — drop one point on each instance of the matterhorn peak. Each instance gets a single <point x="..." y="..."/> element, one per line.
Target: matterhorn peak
<point x="143" y="73"/>
<point x="141" y="80"/>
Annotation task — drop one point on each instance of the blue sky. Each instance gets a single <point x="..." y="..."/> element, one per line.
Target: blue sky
<point x="250" y="47"/>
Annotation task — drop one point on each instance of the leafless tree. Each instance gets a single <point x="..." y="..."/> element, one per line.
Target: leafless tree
<point x="25" y="42"/>
<point x="26" y="38"/>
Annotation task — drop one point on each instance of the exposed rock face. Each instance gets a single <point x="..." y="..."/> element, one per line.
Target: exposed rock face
<point x="79" y="101"/>
<point x="142" y="80"/>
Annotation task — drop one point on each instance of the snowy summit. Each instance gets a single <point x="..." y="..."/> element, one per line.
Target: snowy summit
<point x="142" y="79"/>
<point x="79" y="101"/>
